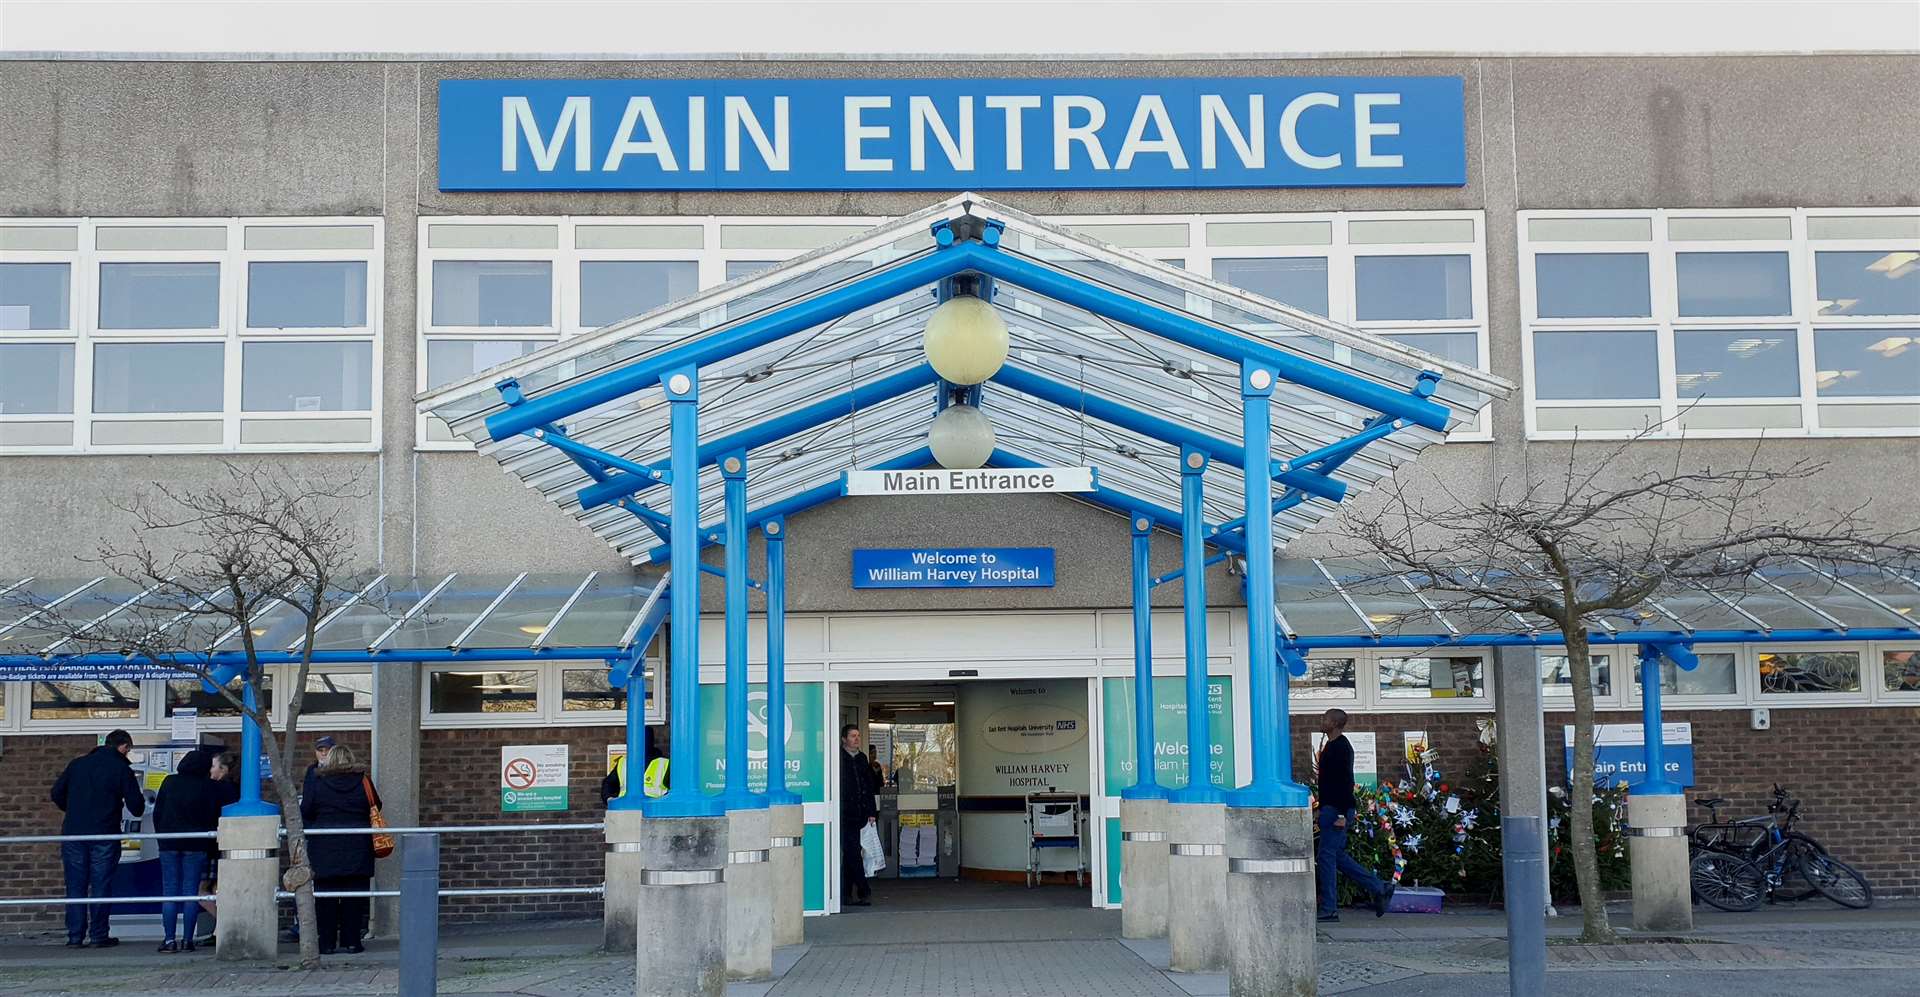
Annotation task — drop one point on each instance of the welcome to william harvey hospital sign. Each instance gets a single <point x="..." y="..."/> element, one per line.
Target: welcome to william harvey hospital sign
<point x="1024" y="134"/>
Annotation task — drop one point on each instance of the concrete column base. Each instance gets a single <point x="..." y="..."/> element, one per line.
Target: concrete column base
<point x="621" y="920"/>
<point x="789" y="870"/>
<point x="1270" y="890"/>
<point x="1662" y="885"/>
<point x="1143" y="868"/>
<point x="683" y="890"/>
<point x="1197" y="887"/>
<point x="249" y="878"/>
<point x="750" y="897"/>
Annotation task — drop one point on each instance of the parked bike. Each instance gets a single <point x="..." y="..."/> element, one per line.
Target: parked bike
<point x="1738" y="865"/>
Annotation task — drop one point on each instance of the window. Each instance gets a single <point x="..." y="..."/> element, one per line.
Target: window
<point x="1722" y="323"/>
<point x="496" y="288"/>
<point x="92" y="700"/>
<point x="36" y="378"/>
<point x="486" y="692"/>
<point x="1793" y="673"/>
<point x="1433" y="677"/>
<point x="1556" y="677"/>
<point x="306" y="377"/>
<point x="307" y="295"/>
<point x="189" y="335"/>
<point x="335" y="692"/>
<point x="1716" y="675"/>
<point x="34" y="296"/>
<point x="158" y="377"/>
<point x="192" y="693"/>
<point x="159" y="296"/>
<point x="587" y="689"/>
<point x="1326" y="678"/>
<point x="1900" y="670"/>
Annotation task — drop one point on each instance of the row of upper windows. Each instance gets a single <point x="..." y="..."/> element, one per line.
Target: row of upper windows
<point x="262" y="334"/>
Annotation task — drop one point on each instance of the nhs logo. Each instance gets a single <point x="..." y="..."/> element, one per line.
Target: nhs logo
<point x="1028" y="134"/>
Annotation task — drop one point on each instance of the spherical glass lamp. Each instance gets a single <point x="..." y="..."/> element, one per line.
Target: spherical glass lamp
<point x="966" y="340"/>
<point x="961" y="438"/>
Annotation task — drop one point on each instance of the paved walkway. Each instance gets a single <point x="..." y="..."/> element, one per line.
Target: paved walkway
<point x="1059" y="953"/>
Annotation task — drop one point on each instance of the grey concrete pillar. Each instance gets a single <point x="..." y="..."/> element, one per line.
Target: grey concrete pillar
<point x="1270" y="892"/>
<point x="750" y="899"/>
<point x="683" y="890"/>
<point x="1520" y="749"/>
<point x="1662" y="887"/>
<point x="789" y="870"/>
<point x="396" y="773"/>
<point x="1143" y="868"/>
<point x="1197" y="887"/>
<point x="248" y="878"/>
<point x="622" y="917"/>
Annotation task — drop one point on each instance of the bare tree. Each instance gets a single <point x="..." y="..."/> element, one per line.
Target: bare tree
<point x="1604" y="538"/>
<point x="214" y="563"/>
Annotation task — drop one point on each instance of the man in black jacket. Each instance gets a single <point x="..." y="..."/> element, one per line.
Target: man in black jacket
<point x="92" y="791"/>
<point x="1336" y="816"/>
<point x="857" y="810"/>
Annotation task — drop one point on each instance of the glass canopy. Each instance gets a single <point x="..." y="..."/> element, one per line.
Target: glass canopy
<point x="1067" y="365"/>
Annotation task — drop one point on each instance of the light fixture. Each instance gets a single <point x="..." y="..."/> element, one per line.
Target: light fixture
<point x="943" y="702"/>
<point x="1896" y="264"/>
<point x="1892" y="346"/>
<point x="961" y="438"/>
<point x="534" y="629"/>
<point x="965" y="340"/>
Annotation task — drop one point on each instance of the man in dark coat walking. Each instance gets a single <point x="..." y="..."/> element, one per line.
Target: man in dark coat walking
<point x="92" y="791"/>
<point x="857" y="810"/>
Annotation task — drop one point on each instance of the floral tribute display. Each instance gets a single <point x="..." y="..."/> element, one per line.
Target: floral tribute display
<point x="1434" y="830"/>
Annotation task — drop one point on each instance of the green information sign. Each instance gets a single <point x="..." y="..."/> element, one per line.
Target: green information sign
<point x="806" y="739"/>
<point x="533" y="778"/>
<point x="1169" y="732"/>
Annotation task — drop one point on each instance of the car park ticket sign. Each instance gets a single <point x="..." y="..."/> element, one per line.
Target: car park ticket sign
<point x="533" y="778"/>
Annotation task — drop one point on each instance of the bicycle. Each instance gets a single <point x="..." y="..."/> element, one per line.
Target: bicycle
<point x="1737" y="865"/>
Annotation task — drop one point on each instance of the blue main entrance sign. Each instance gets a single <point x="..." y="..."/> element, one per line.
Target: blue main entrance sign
<point x="953" y="567"/>
<point x="1022" y="134"/>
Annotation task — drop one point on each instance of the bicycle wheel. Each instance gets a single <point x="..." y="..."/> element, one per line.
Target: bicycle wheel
<point x="1728" y="882"/>
<point x="1836" y="880"/>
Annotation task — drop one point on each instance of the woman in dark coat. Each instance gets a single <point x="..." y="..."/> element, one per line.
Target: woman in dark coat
<point x="340" y="796"/>
<point x="189" y="800"/>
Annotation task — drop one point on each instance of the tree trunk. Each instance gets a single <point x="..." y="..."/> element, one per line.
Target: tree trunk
<point x="299" y="873"/>
<point x="1583" y="842"/>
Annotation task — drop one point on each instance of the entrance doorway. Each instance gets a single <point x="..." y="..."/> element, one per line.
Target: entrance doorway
<point x="984" y="791"/>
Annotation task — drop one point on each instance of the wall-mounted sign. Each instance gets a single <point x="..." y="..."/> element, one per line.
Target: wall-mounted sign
<point x="983" y="481"/>
<point x="533" y="777"/>
<point x="989" y="134"/>
<point x="806" y="738"/>
<point x="1169" y="732"/>
<point x="1620" y="754"/>
<point x="953" y="567"/>
<point x="1033" y="728"/>
<point x="1366" y="755"/>
<point x="54" y="671"/>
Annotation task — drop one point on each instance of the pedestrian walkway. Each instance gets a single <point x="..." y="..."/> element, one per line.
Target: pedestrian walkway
<point x="1062" y="953"/>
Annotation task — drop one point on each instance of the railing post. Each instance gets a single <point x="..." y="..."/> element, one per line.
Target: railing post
<point x="1196" y="824"/>
<point x="248" y="891"/>
<point x="1143" y="805"/>
<point x="419" y="913"/>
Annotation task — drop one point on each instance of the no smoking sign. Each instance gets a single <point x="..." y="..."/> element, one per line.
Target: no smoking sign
<point x="533" y="778"/>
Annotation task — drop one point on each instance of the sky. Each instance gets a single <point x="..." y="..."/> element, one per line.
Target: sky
<point x="667" y="28"/>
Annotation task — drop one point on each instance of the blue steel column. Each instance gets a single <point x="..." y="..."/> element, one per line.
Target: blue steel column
<point x="733" y="473"/>
<point x="684" y="799"/>
<point x="1272" y="783"/>
<point x="1654" y="745"/>
<point x="1145" y="784"/>
<point x="777" y="792"/>
<point x="1193" y="592"/>
<point x="632" y="788"/>
<point x="250" y="804"/>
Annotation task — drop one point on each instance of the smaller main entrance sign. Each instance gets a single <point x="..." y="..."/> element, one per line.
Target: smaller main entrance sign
<point x="1620" y="754"/>
<point x="953" y="567"/>
<point x="981" y="481"/>
<point x="533" y="778"/>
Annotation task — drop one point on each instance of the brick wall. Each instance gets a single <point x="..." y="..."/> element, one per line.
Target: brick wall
<point x="460" y="784"/>
<point x="1852" y="769"/>
<point x="28" y="766"/>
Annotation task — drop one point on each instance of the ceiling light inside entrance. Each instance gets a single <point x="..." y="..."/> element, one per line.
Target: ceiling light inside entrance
<point x="966" y="340"/>
<point x="961" y="437"/>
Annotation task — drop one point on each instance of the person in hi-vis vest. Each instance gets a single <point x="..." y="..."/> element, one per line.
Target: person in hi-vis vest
<point x="653" y="780"/>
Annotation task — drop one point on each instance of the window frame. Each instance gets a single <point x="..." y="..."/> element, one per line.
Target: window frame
<point x="547" y="712"/>
<point x="231" y="332"/>
<point x="1662" y="251"/>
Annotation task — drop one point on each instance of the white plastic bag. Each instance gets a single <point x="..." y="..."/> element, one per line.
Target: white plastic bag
<point x="871" y="855"/>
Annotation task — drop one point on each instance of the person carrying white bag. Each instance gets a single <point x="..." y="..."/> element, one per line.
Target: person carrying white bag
<point x="859" y="822"/>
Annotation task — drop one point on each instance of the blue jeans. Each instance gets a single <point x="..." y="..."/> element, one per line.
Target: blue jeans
<point x="180" y="874"/>
<point x="1332" y="861"/>
<point x="89" y="867"/>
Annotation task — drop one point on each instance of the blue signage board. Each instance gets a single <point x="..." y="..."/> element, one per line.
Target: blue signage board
<point x="55" y="671"/>
<point x="953" y="567"/>
<point x="953" y="134"/>
<point x="1620" y="755"/>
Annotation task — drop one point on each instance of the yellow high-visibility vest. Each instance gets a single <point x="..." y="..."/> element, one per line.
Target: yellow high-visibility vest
<point x="653" y="781"/>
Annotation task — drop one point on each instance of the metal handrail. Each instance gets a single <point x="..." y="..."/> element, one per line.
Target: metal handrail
<point x="63" y="901"/>
<point x="48" y="839"/>
<point x="466" y="829"/>
<point x="468" y="891"/>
